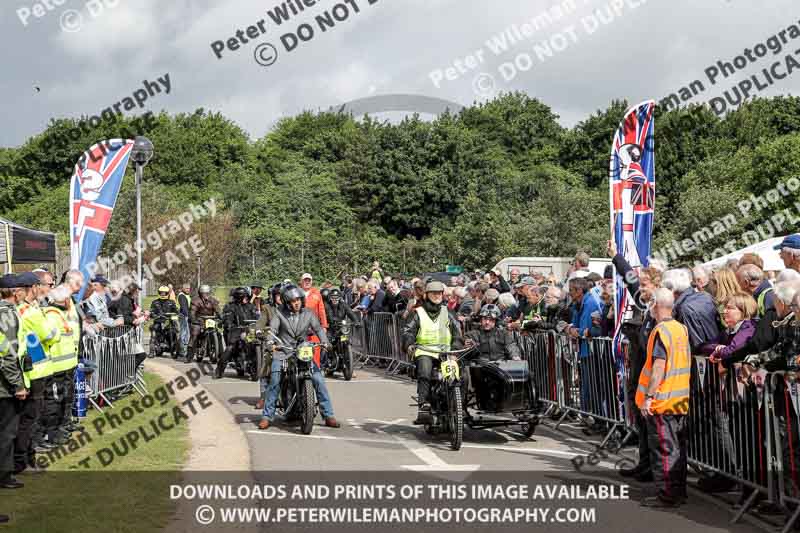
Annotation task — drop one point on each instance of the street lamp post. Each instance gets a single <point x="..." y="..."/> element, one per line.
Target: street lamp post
<point x="141" y="154"/>
<point x="198" y="270"/>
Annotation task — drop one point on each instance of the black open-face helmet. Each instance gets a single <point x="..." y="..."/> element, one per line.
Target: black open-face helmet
<point x="293" y="292"/>
<point x="239" y="294"/>
<point x="334" y="295"/>
<point x="490" y="311"/>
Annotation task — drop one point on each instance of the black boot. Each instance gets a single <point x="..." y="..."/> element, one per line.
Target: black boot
<point x="424" y="415"/>
<point x="635" y="471"/>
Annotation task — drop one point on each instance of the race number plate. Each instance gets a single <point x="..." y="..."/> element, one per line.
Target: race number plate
<point x="210" y="324"/>
<point x="305" y="353"/>
<point x="450" y="370"/>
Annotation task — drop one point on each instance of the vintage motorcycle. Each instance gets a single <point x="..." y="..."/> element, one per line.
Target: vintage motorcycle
<point x="340" y="358"/>
<point x="297" y="399"/>
<point x="503" y="394"/>
<point x="250" y="350"/>
<point x="447" y="403"/>
<point x="210" y="342"/>
<point x="165" y="336"/>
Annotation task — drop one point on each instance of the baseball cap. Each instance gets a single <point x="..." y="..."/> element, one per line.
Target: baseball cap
<point x="306" y="276"/>
<point x="790" y="241"/>
<point x="527" y="280"/>
<point x="27" y="279"/>
<point x="9" y="281"/>
<point x="100" y="279"/>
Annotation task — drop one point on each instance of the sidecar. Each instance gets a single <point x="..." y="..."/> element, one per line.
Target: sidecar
<point x="503" y="394"/>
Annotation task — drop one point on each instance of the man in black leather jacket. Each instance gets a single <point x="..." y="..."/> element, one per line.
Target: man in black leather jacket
<point x="234" y="316"/>
<point x="492" y="343"/>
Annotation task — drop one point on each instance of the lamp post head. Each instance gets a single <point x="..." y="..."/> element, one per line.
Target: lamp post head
<point x="142" y="150"/>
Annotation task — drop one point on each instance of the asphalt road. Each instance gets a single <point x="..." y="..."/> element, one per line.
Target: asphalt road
<point x="377" y="439"/>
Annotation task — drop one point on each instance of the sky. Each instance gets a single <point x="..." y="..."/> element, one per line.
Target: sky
<point x="73" y="58"/>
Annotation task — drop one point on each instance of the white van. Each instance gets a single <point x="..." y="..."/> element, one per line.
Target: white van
<point x="558" y="266"/>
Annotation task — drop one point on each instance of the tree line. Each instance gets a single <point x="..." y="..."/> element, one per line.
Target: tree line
<point x="328" y="193"/>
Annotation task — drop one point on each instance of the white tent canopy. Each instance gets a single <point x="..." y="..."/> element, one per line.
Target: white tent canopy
<point x="764" y="249"/>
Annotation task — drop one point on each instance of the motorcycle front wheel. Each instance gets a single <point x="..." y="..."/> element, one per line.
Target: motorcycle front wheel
<point x="212" y="348"/>
<point x="347" y="361"/>
<point x="256" y="364"/>
<point x="308" y="405"/>
<point x="456" y="417"/>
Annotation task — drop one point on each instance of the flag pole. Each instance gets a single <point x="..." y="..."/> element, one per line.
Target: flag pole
<point x="139" y="172"/>
<point x="141" y="154"/>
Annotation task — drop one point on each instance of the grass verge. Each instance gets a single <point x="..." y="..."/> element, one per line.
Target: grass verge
<point x="103" y="481"/>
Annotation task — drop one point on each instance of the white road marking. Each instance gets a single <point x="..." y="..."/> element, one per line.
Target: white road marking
<point x="386" y="424"/>
<point x="355" y="380"/>
<point x="423" y="452"/>
<point x="408" y="444"/>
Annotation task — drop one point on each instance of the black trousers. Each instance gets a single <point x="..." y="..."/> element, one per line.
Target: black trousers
<point x="30" y="410"/>
<point x="424" y="369"/>
<point x="50" y="419"/>
<point x="9" y="418"/>
<point x="668" y="435"/>
<point x="636" y="360"/>
<point x="230" y="350"/>
<point x="69" y="398"/>
<point x="644" y="441"/>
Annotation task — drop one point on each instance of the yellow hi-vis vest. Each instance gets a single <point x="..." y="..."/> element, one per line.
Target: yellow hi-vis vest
<point x="433" y="334"/>
<point x="672" y="396"/>
<point x="34" y="321"/>
<point x="63" y="353"/>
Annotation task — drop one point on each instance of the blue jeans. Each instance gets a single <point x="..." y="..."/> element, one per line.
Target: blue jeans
<point x="274" y="387"/>
<point x="184" y="322"/>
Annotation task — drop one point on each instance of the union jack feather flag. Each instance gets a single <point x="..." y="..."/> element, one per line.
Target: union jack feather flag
<point x="93" y="193"/>
<point x="632" y="197"/>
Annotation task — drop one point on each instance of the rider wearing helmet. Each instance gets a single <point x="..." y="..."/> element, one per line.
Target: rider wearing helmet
<point x="160" y="307"/>
<point x="202" y="305"/>
<point x="337" y="310"/>
<point x="292" y="324"/>
<point x="434" y="326"/>
<point x="233" y="317"/>
<point x="493" y="343"/>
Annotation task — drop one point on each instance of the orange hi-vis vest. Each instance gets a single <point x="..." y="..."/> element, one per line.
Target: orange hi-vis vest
<point x="672" y="396"/>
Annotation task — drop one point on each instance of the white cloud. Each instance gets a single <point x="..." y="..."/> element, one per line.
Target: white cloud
<point x="389" y="47"/>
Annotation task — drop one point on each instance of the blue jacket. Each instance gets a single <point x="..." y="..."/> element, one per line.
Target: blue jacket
<point x="698" y="312"/>
<point x="582" y="319"/>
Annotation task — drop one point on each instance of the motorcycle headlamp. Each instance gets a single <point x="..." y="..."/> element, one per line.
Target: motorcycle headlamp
<point x="305" y="353"/>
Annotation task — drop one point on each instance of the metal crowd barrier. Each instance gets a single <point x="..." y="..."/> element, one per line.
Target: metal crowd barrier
<point x="567" y="383"/>
<point x="744" y="425"/>
<point x="377" y="339"/>
<point x="113" y="352"/>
